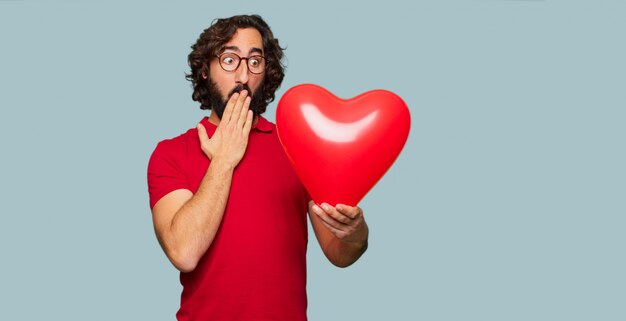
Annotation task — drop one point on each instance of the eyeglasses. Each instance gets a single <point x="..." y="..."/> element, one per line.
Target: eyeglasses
<point x="230" y="62"/>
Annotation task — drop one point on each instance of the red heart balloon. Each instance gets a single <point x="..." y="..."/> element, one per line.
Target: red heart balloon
<point x="341" y="148"/>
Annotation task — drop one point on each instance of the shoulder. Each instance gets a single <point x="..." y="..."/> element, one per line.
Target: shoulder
<point x="173" y="152"/>
<point x="177" y="145"/>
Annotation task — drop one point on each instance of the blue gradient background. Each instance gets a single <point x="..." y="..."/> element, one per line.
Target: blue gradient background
<point x="507" y="202"/>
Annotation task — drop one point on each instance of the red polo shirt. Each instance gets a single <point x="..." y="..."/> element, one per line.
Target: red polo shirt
<point x="255" y="269"/>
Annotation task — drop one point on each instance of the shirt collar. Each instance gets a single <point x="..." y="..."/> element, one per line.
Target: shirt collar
<point x="262" y="125"/>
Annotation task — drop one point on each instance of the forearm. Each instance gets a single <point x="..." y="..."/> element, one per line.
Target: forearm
<point x="195" y="225"/>
<point x="344" y="254"/>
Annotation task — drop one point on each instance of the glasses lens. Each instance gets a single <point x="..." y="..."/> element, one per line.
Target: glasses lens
<point x="256" y="64"/>
<point x="229" y="61"/>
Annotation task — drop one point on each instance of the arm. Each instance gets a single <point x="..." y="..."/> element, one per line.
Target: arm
<point x="341" y="232"/>
<point x="186" y="224"/>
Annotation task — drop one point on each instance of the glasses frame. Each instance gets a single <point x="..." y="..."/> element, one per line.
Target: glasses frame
<point x="219" y="61"/>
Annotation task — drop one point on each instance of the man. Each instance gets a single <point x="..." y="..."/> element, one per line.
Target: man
<point x="228" y="209"/>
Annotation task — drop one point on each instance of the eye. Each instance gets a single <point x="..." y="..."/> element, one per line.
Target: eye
<point x="254" y="61"/>
<point x="228" y="60"/>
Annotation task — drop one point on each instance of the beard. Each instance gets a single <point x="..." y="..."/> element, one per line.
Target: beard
<point x="218" y="104"/>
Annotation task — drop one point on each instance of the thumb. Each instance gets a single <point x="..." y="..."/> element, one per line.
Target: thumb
<point x="202" y="135"/>
<point x="205" y="142"/>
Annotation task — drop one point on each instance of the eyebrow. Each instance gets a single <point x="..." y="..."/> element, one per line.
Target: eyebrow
<point x="236" y="49"/>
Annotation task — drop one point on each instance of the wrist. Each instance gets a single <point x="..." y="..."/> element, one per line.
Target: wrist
<point x="222" y="165"/>
<point x="359" y="238"/>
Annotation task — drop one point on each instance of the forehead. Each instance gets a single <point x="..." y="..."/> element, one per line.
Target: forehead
<point x="245" y="41"/>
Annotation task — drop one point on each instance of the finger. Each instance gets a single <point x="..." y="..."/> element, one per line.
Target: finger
<point x="243" y="115"/>
<point x="238" y="105"/>
<point x="337" y="232"/>
<point x="321" y="213"/>
<point x="349" y="211"/>
<point x="332" y="212"/>
<point x="202" y="135"/>
<point x="228" y="111"/>
<point x="248" y="124"/>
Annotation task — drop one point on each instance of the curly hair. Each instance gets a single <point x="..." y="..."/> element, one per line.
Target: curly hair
<point x="210" y="43"/>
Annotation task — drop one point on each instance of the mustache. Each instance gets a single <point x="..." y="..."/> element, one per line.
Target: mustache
<point x="217" y="101"/>
<point x="239" y="88"/>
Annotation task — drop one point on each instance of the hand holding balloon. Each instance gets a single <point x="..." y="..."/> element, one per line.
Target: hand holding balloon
<point x="345" y="222"/>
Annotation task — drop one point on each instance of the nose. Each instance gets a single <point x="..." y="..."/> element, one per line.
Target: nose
<point x="241" y="74"/>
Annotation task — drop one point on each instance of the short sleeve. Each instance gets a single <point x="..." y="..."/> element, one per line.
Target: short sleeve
<point x="165" y="171"/>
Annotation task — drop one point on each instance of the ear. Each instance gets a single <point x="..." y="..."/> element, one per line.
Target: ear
<point x="203" y="75"/>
